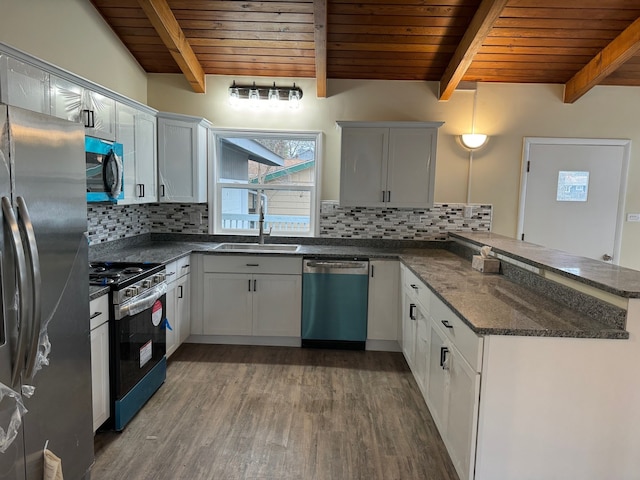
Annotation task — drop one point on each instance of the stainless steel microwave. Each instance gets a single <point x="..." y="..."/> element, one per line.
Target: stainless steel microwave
<point x="105" y="172"/>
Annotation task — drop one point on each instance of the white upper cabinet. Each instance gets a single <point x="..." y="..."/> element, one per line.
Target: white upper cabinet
<point x="78" y="104"/>
<point x="136" y="130"/>
<point x="388" y="164"/>
<point x="182" y="158"/>
<point x="23" y="85"/>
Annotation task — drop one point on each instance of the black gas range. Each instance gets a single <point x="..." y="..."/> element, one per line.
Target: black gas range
<point x="137" y="333"/>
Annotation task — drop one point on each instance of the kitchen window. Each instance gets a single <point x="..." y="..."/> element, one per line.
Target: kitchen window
<point x="275" y="171"/>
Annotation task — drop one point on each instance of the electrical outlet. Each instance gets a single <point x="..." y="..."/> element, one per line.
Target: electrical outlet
<point x="468" y="211"/>
<point x="633" y="217"/>
<point x="195" y="218"/>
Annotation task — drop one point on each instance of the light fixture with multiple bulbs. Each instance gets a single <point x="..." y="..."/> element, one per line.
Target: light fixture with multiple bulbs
<point x="258" y="95"/>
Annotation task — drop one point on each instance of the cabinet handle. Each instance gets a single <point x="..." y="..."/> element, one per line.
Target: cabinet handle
<point x="95" y="315"/>
<point x="253" y="264"/>
<point x="384" y="196"/>
<point x="446" y="323"/>
<point x="185" y="266"/>
<point x="180" y="294"/>
<point x="388" y="195"/>
<point x="255" y="285"/>
<point x="371" y="271"/>
<point x="414" y="286"/>
<point x="249" y="285"/>
<point x="443" y="358"/>
<point x="144" y="194"/>
<point x="168" y="274"/>
<point x="89" y="119"/>
<point x="140" y="190"/>
<point x="412" y="311"/>
<point x="162" y="190"/>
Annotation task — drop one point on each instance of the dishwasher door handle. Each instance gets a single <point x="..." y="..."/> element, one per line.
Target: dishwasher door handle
<point x="330" y="264"/>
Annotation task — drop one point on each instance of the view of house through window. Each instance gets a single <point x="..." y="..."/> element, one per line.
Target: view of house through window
<point x="272" y="172"/>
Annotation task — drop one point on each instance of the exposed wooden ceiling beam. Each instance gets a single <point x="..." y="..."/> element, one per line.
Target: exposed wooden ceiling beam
<point x="320" y="39"/>
<point x="480" y="26"/>
<point x="165" y="23"/>
<point x="607" y="61"/>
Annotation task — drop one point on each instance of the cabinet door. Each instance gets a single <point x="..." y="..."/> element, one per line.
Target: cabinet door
<point x="411" y="167"/>
<point x="100" y="374"/>
<point x="421" y="357"/>
<point x="227" y="304"/>
<point x="183" y="308"/>
<point x="439" y="362"/>
<point x="462" y="415"/>
<point x="172" y="318"/>
<point x="104" y="115"/>
<point x="409" y="319"/>
<point x="178" y="149"/>
<point x="384" y="279"/>
<point x="125" y="134"/>
<point x="277" y="305"/>
<point x="67" y="99"/>
<point x="23" y="85"/>
<point x="146" y="158"/>
<point x="363" y="166"/>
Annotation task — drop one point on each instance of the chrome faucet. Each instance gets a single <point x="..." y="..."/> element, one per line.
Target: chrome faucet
<point x="261" y="233"/>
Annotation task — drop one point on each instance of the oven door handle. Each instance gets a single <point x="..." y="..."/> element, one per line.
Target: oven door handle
<point x="141" y="303"/>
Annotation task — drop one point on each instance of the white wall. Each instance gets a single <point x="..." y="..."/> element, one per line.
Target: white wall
<point x="506" y="112"/>
<point x="72" y="35"/>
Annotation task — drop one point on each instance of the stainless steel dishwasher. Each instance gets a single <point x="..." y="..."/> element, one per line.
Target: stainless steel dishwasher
<point x="334" y="303"/>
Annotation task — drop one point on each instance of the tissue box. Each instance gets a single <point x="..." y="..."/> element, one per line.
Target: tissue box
<point x="485" y="265"/>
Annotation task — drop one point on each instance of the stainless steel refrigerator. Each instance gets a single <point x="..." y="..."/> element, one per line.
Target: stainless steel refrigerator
<point x="45" y="352"/>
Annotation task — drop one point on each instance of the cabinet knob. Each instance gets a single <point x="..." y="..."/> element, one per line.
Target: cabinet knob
<point x="446" y="323"/>
<point x="412" y="311"/>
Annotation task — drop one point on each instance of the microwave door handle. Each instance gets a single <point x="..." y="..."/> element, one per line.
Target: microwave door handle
<point x="21" y="270"/>
<point x="36" y="284"/>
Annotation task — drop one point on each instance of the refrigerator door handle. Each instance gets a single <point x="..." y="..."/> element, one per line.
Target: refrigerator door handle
<point x="36" y="285"/>
<point x="21" y="270"/>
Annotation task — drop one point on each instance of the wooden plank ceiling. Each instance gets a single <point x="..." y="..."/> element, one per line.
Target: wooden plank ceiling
<point x="516" y="41"/>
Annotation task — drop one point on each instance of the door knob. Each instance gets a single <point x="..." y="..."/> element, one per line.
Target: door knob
<point x="606" y="257"/>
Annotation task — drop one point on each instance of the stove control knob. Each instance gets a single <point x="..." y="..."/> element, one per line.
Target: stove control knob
<point x="146" y="283"/>
<point x="158" y="278"/>
<point x="130" y="292"/>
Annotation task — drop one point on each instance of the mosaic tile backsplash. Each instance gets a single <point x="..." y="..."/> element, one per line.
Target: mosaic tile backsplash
<point x="112" y="222"/>
<point x="108" y="222"/>
<point x="401" y="223"/>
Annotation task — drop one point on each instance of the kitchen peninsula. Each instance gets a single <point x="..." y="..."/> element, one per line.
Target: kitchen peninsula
<point x="556" y="339"/>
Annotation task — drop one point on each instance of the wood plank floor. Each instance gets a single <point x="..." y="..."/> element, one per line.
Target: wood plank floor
<point x="237" y="412"/>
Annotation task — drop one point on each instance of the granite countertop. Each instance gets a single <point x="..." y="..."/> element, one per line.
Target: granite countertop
<point x="624" y="282"/>
<point x="492" y="305"/>
<point x="489" y="304"/>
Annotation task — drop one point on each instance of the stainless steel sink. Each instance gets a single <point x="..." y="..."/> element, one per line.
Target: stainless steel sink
<point x="256" y="247"/>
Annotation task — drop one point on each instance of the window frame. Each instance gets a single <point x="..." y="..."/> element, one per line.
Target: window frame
<point x="216" y="187"/>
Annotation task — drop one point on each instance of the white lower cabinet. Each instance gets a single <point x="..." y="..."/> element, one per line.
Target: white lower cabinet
<point x="445" y="357"/>
<point x="251" y="297"/>
<point x="383" y="310"/>
<point x="178" y="303"/>
<point x="99" y="337"/>
<point x="228" y="306"/>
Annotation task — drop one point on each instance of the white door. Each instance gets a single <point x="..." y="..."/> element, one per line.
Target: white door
<point x="572" y="195"/>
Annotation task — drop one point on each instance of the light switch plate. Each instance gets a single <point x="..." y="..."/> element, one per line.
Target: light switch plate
<point x="633" y="217"/>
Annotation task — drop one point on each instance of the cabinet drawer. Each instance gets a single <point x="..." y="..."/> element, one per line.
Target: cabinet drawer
<point x="253" y="264"/>
<point x="466" y="341"/>
<point x="98" y="311"/>
<point x="417" y="289"/>
<point x="171" y="271"/>
<point x="183" y="266"/>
